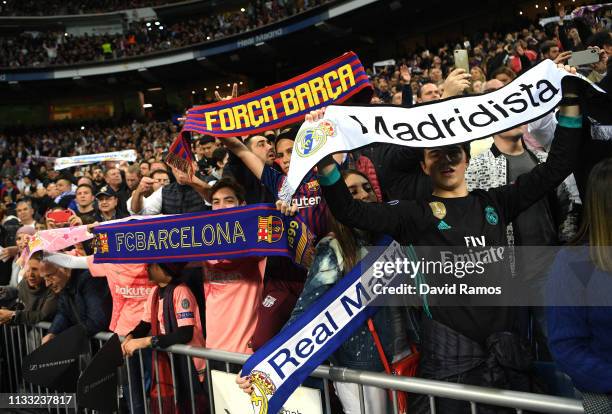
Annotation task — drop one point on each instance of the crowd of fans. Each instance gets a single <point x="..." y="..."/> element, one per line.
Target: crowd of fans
<point x="58" y="48"/>
<point x="495" y="55"/>
<point x="54" y="7"/>
<point x="243" y="303"/>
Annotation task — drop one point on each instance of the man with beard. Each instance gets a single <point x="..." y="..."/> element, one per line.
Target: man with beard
<point x="97" y="176"/>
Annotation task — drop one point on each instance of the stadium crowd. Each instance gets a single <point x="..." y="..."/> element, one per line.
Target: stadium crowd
<point x="52" y="48"/>
<point x="53" y="8"/>
<point x="255" y="297"/>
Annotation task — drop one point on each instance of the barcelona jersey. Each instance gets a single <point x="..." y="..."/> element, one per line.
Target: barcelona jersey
<point x="308" y="198"/>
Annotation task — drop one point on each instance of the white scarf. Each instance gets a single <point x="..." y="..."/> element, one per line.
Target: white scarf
<point x="67" y="162"/>
<point x="451" y="121"/>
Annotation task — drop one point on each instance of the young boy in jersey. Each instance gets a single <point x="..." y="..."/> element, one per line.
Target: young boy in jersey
<point x="232" y="288"/>
<point x="476" y="345"/>
<point x="171" y="316"/>
<point x="284" y="280"/>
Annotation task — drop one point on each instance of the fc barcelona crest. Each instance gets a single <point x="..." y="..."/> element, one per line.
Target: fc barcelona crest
<point x="269" y="228"/>
<point x="100" y="243"/>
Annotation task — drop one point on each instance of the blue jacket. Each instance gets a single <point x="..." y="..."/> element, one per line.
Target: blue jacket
<point x="90" y="298"/>
<point x="359" y="351"/>
<point x="580" y="335"/>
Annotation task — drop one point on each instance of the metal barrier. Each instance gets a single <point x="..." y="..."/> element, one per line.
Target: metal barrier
<point x="20" y="340"/>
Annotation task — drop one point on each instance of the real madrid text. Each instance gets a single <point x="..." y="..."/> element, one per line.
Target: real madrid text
<point x="330" y="321"/>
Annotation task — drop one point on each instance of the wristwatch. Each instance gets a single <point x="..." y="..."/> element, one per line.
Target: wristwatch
<point x="154" y="341"/>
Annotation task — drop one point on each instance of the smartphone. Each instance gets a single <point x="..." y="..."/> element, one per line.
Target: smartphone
<point x="584" y="57"/>
<point x="461" y="60"/>
<point x="60" y="216"/>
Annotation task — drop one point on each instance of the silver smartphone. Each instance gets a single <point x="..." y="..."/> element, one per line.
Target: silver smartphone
<point x="461" y="60"/>
<point x="584" y="57"/>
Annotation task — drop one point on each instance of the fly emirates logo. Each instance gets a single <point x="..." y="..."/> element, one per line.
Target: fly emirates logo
<point x="130" y="292"/>
<point x="476" y="251"/>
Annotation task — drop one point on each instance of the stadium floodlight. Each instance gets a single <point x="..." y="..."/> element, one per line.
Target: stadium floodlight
<point x="148" y="24"/>
<point x="161" y="27"/>
<point x="157" y="23"/>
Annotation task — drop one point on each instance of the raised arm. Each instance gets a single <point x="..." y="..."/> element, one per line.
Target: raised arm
<point x="200" y="186"/>
<point x="135" y="203"/>
<point x="389" y="219"/>
<point x="66" y="260"/>
<point x="252" y="161"/>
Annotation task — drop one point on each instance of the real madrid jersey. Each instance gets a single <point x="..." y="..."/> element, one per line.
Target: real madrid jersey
<point x="477" y="221"/>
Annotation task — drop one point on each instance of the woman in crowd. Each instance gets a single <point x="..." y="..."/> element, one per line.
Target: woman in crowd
<point x="580" y="292"/>
<point x="220" y="157"/>
<point x="335" y="256"/>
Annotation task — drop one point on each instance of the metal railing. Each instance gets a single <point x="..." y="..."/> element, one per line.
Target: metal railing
<point x="474" y="395"/>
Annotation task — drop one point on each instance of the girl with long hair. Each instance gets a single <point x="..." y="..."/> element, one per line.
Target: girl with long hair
<point x="336" y="254"/>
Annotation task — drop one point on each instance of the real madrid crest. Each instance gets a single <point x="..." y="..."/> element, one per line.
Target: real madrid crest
<point x="311" y="140"/>
<point x="491" y="215"/>
<point x="263" y="389"/>
<point x="438" y="209"/>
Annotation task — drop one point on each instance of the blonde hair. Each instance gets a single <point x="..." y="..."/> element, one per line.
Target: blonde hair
<point x="596" y="226"/>
<point x="481" y="73"/>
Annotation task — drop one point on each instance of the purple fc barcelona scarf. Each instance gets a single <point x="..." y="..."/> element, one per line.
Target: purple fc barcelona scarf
<point x="254" y="230"/>
<point x="283" y="103"/>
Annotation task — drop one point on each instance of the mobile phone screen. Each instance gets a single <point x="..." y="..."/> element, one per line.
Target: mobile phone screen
<point x="461" y="60"/>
